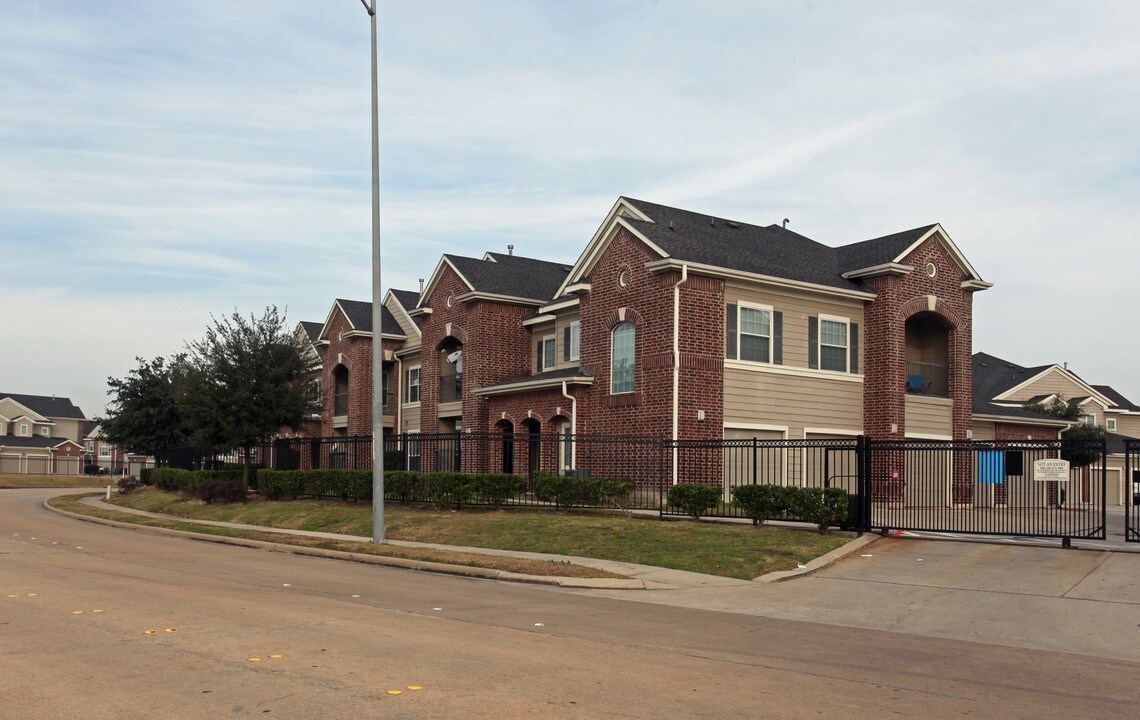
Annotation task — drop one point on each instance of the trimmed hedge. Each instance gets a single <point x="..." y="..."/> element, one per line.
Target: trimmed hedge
<point x="823" y="507"/>
<point x="693" y="499"/>
<point x="567" y="491"/>
<point x="187" y="481"/>
<point x="448" y="489"/>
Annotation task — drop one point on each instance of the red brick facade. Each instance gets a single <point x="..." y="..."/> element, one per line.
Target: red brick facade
<point x="899" y="298"/>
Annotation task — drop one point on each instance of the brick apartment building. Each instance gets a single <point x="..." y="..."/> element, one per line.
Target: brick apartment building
<point x="676" y="324"/>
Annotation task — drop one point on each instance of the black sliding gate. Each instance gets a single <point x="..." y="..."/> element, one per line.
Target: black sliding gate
<point x="1042" y="488"/>
<point x="1132" y="491"/>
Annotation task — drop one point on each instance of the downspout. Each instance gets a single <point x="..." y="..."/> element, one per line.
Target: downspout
<point x="573" y="427"/>
<point x="677" y="360"/>
<point x="399" y="429"/>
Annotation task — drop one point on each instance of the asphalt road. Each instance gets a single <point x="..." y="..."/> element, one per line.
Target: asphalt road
<point x="347" y="634"/>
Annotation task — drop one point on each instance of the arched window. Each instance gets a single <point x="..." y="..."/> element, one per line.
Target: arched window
<point x="622" y="358"/>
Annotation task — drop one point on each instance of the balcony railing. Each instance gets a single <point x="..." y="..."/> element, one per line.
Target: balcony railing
<point x="925" y="378"/>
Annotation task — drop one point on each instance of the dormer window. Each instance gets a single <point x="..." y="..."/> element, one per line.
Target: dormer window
<point x="24" y="431"/>
<point x="43" y="431"/>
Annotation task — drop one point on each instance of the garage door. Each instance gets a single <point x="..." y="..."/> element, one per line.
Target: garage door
<point x="10" y="464"/>
<point x="38" y="464"/>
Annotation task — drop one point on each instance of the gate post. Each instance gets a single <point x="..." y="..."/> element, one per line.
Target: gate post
<point x="862" y="519"/>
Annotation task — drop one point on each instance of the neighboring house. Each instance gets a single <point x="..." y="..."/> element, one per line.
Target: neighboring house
<point x="104" y="457"/>
<point x="1002" y="389"/>
<point x="40" y="435"/>
<point x="307" y="338"/>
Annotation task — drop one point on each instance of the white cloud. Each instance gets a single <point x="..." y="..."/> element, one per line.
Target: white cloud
<point x="159" y="166"/>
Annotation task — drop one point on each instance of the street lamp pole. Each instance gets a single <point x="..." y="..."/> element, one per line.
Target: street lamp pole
<point x="377" y="299"/>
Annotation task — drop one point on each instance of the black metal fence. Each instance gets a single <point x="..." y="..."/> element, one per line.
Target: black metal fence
<point x="1132" y="491"/>
<point x="1053" y="489"/>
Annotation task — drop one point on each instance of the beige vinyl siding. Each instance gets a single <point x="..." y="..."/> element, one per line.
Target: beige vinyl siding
<point x="1048" y="384"/>
<point x="929" y="415"/>
<point x="409" y="418"/>
<point x="9" y="409"/>
<point x="405" y="323"/>
<point x="772" y="398"/>
<point x="70" y="429"/>
<point x="564" y="321"/>
<point x="983" y="430"/>
<point x="1127" y="425"/>
<point x="797" y="306"/>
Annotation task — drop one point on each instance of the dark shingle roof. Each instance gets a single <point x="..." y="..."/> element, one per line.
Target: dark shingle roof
<point x="312" y="329"/>
<point x="770" y="250"/>
<point x="360" y="315"/>
<point x="869" y="253"/>
<point x="49" y="407"/>
<point x="992" y="377"/>
<point x="512" y="275"/>
<point x="1117" y="399"/>
<point x="35" y="441"/>
<point x="409" y="299"/>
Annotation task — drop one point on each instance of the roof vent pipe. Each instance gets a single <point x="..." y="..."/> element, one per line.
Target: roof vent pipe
<point x="786" y="221"/>
<point x="421" y="286"/>
<point x="510" y="250"/>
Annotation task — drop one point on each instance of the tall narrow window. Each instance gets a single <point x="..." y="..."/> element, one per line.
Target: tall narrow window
<point x="573" y="340"/>
<point x="622" y="358"/>
<point x="832" y="344"/>
<point x="549" y="353"/>
<point x="413" y="385"/>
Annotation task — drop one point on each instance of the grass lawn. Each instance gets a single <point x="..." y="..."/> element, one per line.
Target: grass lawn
<point x="19" y="480"/>
<point x="730" y="550"/>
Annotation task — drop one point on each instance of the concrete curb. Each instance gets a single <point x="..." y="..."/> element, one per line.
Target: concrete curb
<point x="405" y="563"/>
<point x="820" y="562"/>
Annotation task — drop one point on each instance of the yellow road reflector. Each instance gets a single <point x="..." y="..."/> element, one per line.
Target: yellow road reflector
<point x="96" y="611"/>
<point x="254" y="659"/>
<point x="150" y="632"/>
<point x="32" y="594"/>
<point x="276" y="657"/>
<point x="76" y="612"/>
<point x="13" y="596"/>
<point x="171" y="630"/>
<point x="395" y="692"/>
<point x="415" y="687"/>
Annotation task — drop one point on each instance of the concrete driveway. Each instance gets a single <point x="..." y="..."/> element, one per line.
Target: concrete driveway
<point x="1075" y="601"/>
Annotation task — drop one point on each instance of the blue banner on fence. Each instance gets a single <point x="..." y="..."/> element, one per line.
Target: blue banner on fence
<point x="991" y="467"/>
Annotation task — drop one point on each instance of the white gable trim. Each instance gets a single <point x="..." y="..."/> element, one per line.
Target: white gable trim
<point x="948" y="244"/>
<point x="601" y="240"/>
<point x="1008" y="394"/>
<point x="403" y="311"/>
<point x="436" y="275"/>
<point x="28" y="412"/>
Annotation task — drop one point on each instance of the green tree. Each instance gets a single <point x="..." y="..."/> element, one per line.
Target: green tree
<point x="1058" y="407"/>
<point x="245" y="379"/>
<point x="1078" y="442"/>
<point x="143" y="416"/>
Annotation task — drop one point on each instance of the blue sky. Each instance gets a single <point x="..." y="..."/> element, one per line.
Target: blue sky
<point x="160" y="163"/>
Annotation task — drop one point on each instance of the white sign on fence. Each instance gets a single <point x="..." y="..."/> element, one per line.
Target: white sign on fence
<point x="1051" y="470"/>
